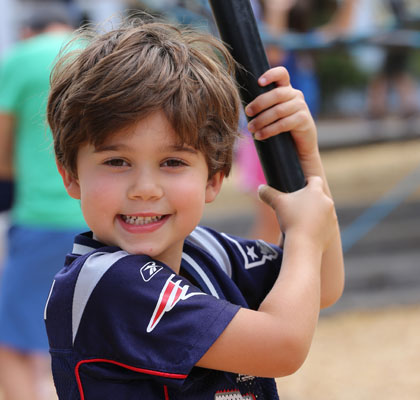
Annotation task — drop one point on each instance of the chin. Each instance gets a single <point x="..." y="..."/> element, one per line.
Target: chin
<point x="135" y="250"/>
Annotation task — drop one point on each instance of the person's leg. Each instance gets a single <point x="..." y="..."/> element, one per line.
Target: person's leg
<point x="377" y="97"/>
<point x="34" y="255"/>
<point x="41" y="367"/>
<point x="17" y="378"/>
<point x="406" y="87"/>
<point x="25" y="376"/>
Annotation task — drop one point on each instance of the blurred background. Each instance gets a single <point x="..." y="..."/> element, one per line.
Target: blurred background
<point x="358" y="65"/>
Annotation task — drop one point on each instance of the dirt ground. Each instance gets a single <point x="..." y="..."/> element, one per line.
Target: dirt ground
<point x="364" y="355"/>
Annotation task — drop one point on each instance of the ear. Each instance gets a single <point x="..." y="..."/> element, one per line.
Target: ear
<point x="70" y="182"/>
<point x="214" y="184"/>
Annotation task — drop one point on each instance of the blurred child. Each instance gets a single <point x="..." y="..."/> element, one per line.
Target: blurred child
<point x="43" y="218"/>
<point x="148" y="304"/>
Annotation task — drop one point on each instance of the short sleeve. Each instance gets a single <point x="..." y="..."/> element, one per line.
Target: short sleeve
<point x="252" y="265"/>
<point x="9" y="85"/>
<point x="255" y="267"/>
<point x="143" y="315"/>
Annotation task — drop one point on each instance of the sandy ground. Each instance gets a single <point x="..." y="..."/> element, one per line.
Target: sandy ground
<point x="361" y="356"/>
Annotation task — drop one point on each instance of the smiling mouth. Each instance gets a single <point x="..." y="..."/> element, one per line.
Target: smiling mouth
<point x="134" y="220"/>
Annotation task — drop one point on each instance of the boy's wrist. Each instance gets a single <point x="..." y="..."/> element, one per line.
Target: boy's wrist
<point x="303" y="241"/>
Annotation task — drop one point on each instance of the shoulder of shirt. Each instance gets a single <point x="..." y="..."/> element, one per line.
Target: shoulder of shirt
<point x="86" y="248"/>
<point x="224" y="248"/>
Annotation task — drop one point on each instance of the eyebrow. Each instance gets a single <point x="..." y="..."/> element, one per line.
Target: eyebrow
<point x="182" y="147"/>
<point x="121" y="146"/>
<point x="110" y="147"/>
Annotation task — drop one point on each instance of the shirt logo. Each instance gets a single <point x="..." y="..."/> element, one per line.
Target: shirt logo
<point x="255" y="253"/>
<point x="233" y="395"/>
<point x="149" y="270"/>
<point x="171" y="294"/>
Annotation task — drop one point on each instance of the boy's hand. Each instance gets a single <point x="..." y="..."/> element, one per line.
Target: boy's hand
<point x="283" y="109"/>
<point x="308" y="212"/>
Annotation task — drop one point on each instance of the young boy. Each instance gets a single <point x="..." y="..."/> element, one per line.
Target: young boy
<point x="148" y="305"/>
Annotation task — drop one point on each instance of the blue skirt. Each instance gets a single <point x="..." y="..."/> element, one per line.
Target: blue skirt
<point x="33" y="257"/>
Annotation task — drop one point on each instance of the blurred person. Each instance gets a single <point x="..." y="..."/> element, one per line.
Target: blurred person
<point x="394" y="74"/>
<point x="342" y="19"/>
<point x="43" y="219"/>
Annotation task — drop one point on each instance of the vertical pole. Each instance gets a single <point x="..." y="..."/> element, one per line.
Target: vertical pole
<point x="238" y="28"/>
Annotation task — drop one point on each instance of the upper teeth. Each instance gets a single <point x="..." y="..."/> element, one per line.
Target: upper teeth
<point x="140" y="220"/>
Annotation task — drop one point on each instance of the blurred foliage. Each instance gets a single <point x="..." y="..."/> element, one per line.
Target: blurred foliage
<point x="337" y="70"/>
<point x="414" y="63"/>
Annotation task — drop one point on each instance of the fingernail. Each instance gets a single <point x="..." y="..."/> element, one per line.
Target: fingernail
<point x="263" y="81"/>
<point x="258" y="135"/>
<point x="251" y="127"/>
<point x="249" y="111"/>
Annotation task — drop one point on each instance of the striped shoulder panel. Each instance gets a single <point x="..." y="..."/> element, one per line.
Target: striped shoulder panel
<point x="207" y="242"/>
<point x="92" y="271"/>
<point x="201" y="275"/>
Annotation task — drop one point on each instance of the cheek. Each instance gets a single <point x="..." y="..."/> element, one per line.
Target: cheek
<point x="97" y="196"/>
<point x="189" y="193"/>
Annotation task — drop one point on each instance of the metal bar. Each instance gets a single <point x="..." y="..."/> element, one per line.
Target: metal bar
<point x="238" y="28"/>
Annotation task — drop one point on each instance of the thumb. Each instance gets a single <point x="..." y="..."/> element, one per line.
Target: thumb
<point x="268" y="195"/>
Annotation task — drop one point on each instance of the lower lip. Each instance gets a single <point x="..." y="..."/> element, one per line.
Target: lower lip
<point x="146" y="228"/>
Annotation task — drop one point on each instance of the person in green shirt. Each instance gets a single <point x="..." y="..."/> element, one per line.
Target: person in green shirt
<point x="43" y="219"/>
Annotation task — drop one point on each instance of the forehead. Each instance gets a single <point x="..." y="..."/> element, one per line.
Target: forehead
<point x="155" y="128"/>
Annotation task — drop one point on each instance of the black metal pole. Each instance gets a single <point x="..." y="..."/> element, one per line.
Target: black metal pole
<point x="238" y="28"/>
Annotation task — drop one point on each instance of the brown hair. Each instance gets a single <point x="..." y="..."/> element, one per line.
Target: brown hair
<point x="143" y="66"/>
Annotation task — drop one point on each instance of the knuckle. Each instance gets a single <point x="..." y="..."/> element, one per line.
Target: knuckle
<point x="278" y="92"/>
<point x="282" y="70"/>
<point x="330" y="208"/>
<point x="299" y="94"/>
<point x="281" y="126"/>
<point x="317" y="180"/>
<point x="302" y="103"/>
<point x="279" y="110"/>
<point x="300" y="117"/>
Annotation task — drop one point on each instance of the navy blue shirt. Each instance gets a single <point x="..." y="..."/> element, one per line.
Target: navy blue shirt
<point x="124" y="326"/>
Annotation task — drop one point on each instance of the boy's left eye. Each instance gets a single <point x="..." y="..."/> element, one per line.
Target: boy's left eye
<point x="173" y="162"/>
<point x="116" y="162"/>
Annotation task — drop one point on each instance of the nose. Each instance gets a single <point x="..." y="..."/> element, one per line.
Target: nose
<point x="145" y="185"/>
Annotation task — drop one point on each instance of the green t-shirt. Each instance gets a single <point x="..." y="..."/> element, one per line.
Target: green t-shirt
<point x="40" y="197"/>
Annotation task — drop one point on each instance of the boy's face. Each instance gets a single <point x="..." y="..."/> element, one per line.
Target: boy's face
<point x="141" y="191"/>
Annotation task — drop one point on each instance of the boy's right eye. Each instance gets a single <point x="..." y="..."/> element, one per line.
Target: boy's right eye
<point x="116" y="162"/>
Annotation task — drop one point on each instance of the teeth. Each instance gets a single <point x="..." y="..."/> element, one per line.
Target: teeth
<point x="140" y="220"/>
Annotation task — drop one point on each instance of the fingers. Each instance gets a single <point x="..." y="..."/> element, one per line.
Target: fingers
<point x="277" y="75"/>
<point x="280" y="118"/>
<point x="308" y="212"/>
<point x="315" y="182"/>
<point x="275" y="96"/>
<point x="272" y="196"/>
<point x="279" y="110"/>
<point x="268" y="195"/>
<point x="280" y="94"/>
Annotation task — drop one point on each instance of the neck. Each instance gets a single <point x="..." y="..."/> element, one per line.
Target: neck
<point x="57" y="27"/>
<point x="173" y="262"/>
